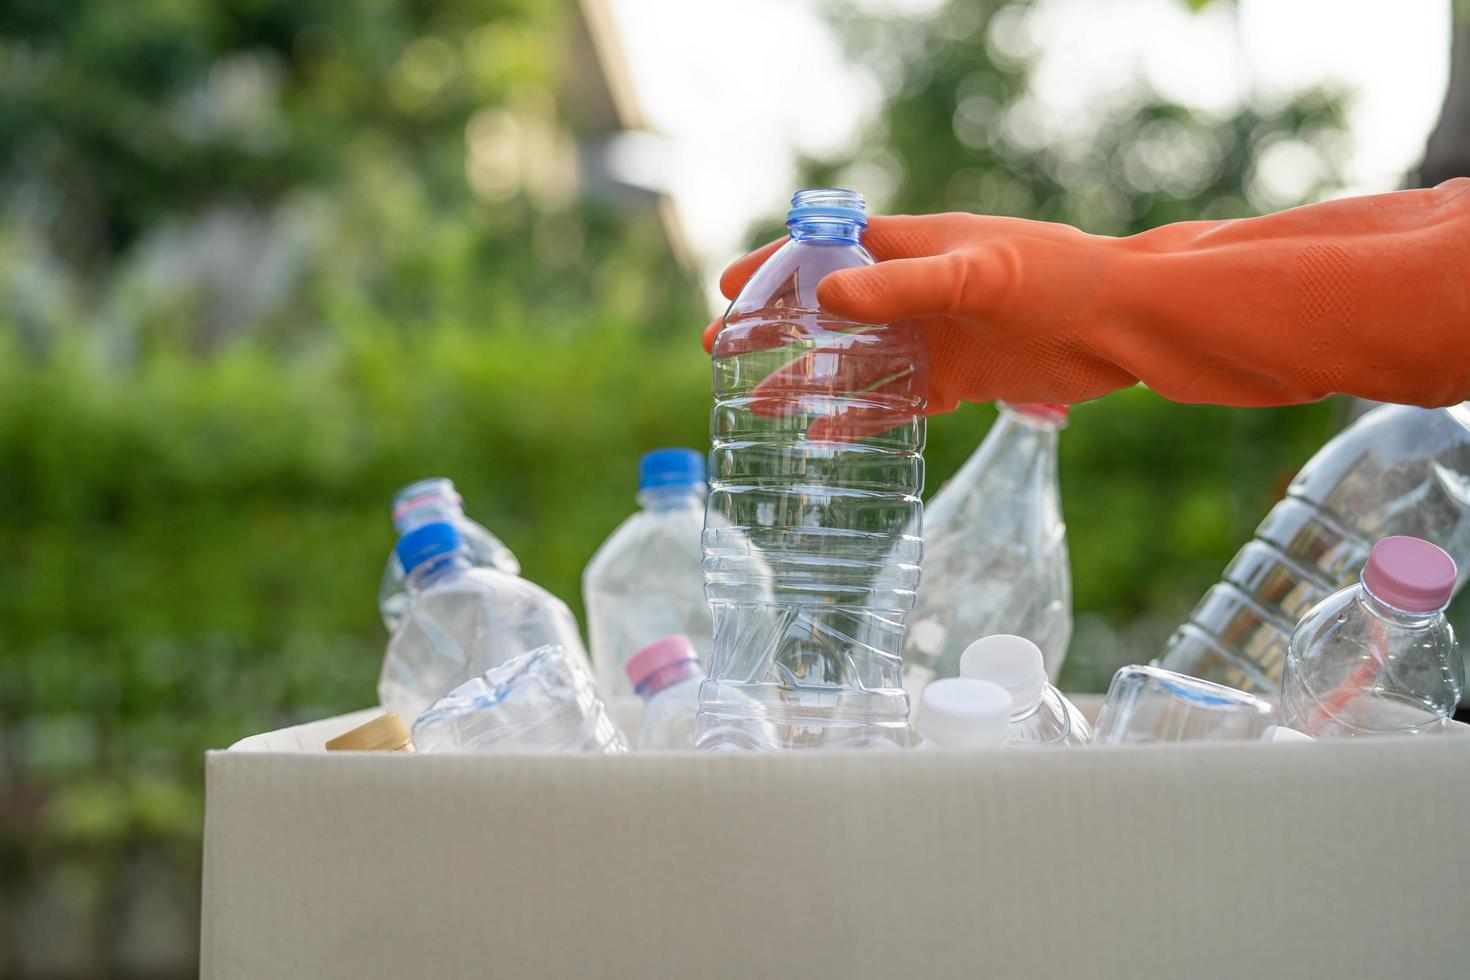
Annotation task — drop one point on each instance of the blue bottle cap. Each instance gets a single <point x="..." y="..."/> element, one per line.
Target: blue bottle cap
<point x="670" y="467"/>
<point x="425" y="543"/>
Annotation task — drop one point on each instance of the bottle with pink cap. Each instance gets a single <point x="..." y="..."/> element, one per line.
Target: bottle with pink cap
<point x="995" y="551"/>
<point x="666" y="675"/>
<point x="1378" y="658"/>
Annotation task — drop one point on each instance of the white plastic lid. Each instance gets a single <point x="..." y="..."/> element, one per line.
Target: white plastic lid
<point x="1280" y="733"/>
<point x="958" y="712"/>
<point x="1013" y="662"/>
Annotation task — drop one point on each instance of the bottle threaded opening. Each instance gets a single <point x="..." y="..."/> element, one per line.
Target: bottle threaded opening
<point x="828" y="202"/>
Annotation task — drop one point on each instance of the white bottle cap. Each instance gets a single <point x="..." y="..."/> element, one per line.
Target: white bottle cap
<point x="1013" y="662"/>
<point x="1280" y="733"/>
<point x="962" y="713"/>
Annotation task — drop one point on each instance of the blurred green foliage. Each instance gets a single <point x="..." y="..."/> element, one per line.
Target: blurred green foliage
<point x="264" y="262"/>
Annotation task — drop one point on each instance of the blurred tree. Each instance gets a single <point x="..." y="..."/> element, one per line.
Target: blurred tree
<point x="184" y="173"/>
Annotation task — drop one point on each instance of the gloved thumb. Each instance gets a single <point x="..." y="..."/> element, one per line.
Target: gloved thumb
<point x="948" y="284"/>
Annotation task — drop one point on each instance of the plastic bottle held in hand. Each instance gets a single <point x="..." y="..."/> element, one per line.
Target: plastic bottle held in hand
<point x="961" y="713"/>
<point x="425" y="502"/>
<point x="667" y="676"/>
<point x="1378" y="658"/>
<point x="1040" y="714"/>
<point x="463" y="621"/>
<point x="995" y="551"/>
<point x="812" y="534"/>
<point x="645" y="581"/>
<point x="541" y="701"/>
<point x="1397" y="470"/>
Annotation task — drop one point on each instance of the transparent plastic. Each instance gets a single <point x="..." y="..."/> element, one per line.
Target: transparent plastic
<point x="669" y="712"/>
<point x="1150" y="704"/>
<point x="645" y="582"/>
<point x="812" y="535"/>
<point x="463" y="621"/>
<point x="1397" y="470"/>
<point x="995" y="551"/>
<point x="540" y="701"/>
<point x="424" y="502"/>
<point x="1052" y="722"/>
<point x="1358" y="666"/>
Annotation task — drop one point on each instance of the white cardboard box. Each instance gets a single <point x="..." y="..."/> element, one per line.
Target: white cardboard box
<point x="1337" y="859"/>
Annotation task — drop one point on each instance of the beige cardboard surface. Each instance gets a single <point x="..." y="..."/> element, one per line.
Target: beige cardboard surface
<point x="1336" y="859"/>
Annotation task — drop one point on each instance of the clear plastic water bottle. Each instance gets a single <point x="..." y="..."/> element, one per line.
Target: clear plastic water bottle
<point x="1040" y="714"/>
<point x="961" y="713"/>
<point x="1397" y="470"/>
<point x="424" y="502"/>
<point x="541" y="701"/>
<point x="1151" y="704"/>
<point x="1378" y="658"/>
<point x="812" y="535"/>
<point x="995" y="551"/>
<point x="645" y="582"/>
<point x="666" y="674"/>
<point x="463" y="620"/>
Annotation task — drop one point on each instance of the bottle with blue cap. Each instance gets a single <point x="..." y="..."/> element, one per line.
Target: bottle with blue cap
<point x="463" y="620"/>
<point x="644" y="582"/>
<point x="423" y="502"/>
<point x="813" y="531"/>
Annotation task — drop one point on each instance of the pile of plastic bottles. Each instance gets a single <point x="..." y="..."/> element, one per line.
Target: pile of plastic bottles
<point x="778" y="605"/>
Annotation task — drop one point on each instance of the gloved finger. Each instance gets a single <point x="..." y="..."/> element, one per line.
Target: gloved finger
<point x="968" y="285"/>
<point x="713" y="327"/>
<point x="734" y="277"/>
<point x="850" y="392"/>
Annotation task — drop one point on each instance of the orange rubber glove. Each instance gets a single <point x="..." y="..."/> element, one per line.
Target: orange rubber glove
<point x="1364" y="296"/>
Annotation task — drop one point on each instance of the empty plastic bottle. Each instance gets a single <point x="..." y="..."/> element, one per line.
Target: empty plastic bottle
<point x="962" y="713"/>
<point x="424" y="502"/>
<point x="812" y="535"/>
<point x="645" y="581"/>
<point x="1397" y="470"/>
<point x="541" y="701"/>
<point x="463" y="620"/>
<point x="995" y="551"/>
<point x="666" y="674"/>
<point x="1151" y="704"/>
<point x="1040" y="714"/>
<point x="1378" y="658"/>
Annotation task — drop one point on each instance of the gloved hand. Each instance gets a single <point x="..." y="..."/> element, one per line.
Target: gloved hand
<point x="1364" y="296"/>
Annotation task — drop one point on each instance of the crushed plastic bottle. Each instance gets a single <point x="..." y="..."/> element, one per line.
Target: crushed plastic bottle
<point x="666" y="675"/>
<point x="424" y="502"/>
<point x="1151" y="704"/>
<point x="962" y="713"/>
<point x="645" y="581"/>
<point x="540" y="701"/>
<point x="812" y="543"/>
<point x="1397" y="470"/>
<point x="1040" y="714"/>
<point x="995" y="551"/>
<point x="1378" y="658"/>
<point x="463" y="621"/>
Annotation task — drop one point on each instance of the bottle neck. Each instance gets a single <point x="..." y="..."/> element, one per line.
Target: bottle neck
<point x="826" y="228"/>
<point x="1400" y="618"/>
<point x="667" y="676"/>
<point x="437" y="569"/>
<point x="672" y="496"/>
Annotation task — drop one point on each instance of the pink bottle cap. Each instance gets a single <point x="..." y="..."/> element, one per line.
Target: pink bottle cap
<point x="1410" y="574"/>
<point x="658" y="655"/>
